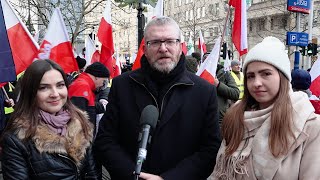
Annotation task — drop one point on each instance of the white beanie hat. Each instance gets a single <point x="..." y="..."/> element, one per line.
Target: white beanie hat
<point x="272" y="51"/>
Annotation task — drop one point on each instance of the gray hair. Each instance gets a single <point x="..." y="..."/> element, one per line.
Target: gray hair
<point x="162" y="21"/>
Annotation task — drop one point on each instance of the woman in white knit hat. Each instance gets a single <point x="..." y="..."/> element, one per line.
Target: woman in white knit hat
<point x="273" y="132"/>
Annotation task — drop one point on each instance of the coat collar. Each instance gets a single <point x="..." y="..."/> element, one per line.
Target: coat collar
<point x="139" y="77"/>
<point x="74" y="143"/>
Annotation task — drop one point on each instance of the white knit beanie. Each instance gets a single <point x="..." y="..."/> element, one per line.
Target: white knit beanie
<point x="272" y="51"/>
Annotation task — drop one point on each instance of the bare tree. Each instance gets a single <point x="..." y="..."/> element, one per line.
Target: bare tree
<point x="74" y="13"/>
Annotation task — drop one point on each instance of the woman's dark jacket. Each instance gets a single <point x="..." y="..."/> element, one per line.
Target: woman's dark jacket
<point x="186" y="139"/>
<point x="47" y="155"/>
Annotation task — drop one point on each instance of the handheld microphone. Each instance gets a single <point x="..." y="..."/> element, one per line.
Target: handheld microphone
<point x="148" y="120"/>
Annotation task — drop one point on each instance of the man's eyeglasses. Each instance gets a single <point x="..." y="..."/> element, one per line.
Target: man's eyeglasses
<point x="157" y="43"/>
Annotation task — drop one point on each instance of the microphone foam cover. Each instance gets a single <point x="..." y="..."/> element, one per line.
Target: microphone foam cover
<point x="149" y="115"/>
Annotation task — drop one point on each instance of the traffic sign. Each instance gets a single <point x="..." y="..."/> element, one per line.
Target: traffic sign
<point x="297" y="38"/>
<point x="302" y="6"/>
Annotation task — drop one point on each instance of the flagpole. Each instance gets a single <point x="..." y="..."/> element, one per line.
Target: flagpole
<point x="5" y="92"/>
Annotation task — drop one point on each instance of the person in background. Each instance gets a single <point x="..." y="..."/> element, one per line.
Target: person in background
<point x="227" y="90"/>
<point x="4" y="102"/>
<point x="197" y="56"/>
<point x="273" y="132"/>
<point x="237" y="76"/>
<point x="47" y="136"/>
<point x="82" y="90"/>
<point x="191" y="64"/>
<point x="187" y="135"/>
<point x="301" y="81"/>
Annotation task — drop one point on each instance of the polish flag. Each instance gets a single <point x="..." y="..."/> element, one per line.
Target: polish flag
<point x="190" y="46"/>
<point x="137" y="64"/>
<point x="208" y="68"/>
<point x="56" y="44"/>
<point x="315" y="78"/>
<point x="183" y="45"/>
<point x="117" y="70"/>
<point x="158" y="9"/>
<point x="90" y="50"/>
<point x="95" y="57"/>
<point x="157" y="12"/>
<point x="24" y="47"/>
<point x="227" y="64"/>
<point x="105" y="37"/>
<point x="202" y="45"/>
<point x="239" y="32"/>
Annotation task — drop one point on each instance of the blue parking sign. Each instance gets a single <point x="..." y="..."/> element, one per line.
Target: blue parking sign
<point x="297" y="38"/>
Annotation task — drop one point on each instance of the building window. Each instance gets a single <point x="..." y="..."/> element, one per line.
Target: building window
<point x="271" y="24"/>
<point x="261" y="23"/>
<point x="203" y="11"/>
<point x="217" y="9"/>
<point x="191" y="14"/>
<point x="179" y="2"/>
<point x="187" y="15"/>
<point x="210" y="32"/>
<point x="198" y="13"/>
<point x="187" y="1"/>
<point x="216" y="30"/>
<point x="284" y="22"/>
<point x="250" y="26"/>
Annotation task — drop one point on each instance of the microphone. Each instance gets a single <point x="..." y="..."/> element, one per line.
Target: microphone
<point x="148" y="120"/>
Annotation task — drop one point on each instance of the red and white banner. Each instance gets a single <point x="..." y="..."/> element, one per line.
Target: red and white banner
<point x="239" y="32"/>
<point x="90" y="50"/>
<point x="315" y="78"/>
<point x="157" y="12"/>
<point x="208" y="68"/>
<point x="117" y="70"/>
<point x="183" y="45"/>
<point x="105" y="37"/>
<point x="56" y="44"/>
<point x="202" y="45"/>
<point x="24" y="47"/>
<point x="158" y="9"/>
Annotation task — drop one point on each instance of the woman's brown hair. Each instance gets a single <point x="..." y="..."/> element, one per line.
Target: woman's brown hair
<point x="233" y="128"/>
<point x="26" y="109"/>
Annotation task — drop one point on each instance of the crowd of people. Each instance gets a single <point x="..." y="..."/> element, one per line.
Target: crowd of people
<point x="254" y="122"/>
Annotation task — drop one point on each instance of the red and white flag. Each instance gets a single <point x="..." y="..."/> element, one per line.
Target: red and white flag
<point x="227" y="64"/>
<point x="117" y="70"/>
<point x="239" y="32"/>
<point x="24" y="47"/>
<point x="202" y="45"/>
<point x="315" y="78"/>
<point x="56" y="44"/>
<point x="208" y="68"/>
<point x="90" y="50"/>
<point x="183" y="45"/>
<point x="137" y="64"/>
<point x="157" y="12"/>
<point x="105" y="37"/>
<point x="158" y="9"/>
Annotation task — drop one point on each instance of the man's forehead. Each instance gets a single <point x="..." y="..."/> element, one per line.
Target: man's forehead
<point x="166" y="31"/>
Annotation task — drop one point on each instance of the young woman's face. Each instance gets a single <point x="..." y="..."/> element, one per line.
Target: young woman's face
<point x="263" y="83"/>
<point x="52" y="93"/>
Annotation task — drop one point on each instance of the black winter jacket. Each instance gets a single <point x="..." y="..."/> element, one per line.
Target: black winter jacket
<point x="185" y="141"/>
<point x="48" y="156"/>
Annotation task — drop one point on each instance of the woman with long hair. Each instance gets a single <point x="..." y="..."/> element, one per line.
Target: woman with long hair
<point x="47" y="137"/>
<point x="273" y="132"/>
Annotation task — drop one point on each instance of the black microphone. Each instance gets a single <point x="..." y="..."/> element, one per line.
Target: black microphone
<point x="148" y="120"/>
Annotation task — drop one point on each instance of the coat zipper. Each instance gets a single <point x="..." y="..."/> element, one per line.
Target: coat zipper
<point x="73" y="162"/>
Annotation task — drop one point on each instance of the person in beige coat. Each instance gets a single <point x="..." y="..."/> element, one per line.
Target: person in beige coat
<point x="273" y="132"/>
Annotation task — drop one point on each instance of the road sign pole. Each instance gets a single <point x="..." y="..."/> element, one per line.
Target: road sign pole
<point x="308" y="64"/>
<point x="296" y="59"/>
<point x="297" y="52"/>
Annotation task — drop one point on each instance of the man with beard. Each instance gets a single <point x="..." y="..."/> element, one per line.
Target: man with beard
<point x="186" y="139"/>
